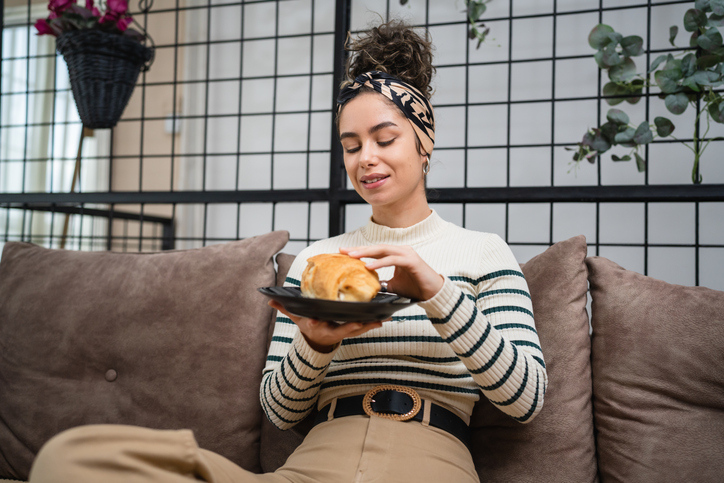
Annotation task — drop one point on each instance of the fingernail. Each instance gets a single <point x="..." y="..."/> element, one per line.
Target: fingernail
<point x="352" y="254"/>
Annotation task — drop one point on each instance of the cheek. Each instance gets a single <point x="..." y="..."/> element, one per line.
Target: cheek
<point x="351" y="168"/>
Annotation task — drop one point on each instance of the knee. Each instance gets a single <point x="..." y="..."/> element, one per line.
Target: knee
<point x="58" y="459"/>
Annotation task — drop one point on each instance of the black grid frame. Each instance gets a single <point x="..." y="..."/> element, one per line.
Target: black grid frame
<point x="130" y="216"/>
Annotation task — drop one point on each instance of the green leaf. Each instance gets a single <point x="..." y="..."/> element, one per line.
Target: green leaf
<point x="672" y="63"/>
<point x="717" y="6"/>
<point x="716" y="20"/>
<point x="664" y="127"/>
<point x="632" y="45"/>
<point x="676" y="103"/>
<point x="706" y="61"/>
<point x="624" y="158"/>
<point x="706" y="77"/>
<point x="587" y="139"/>
<point x="636" y="88"/>
<point x="475" y="10"/>
<point x="643" y="134"/>
<point x="716" y="114"/>
<point x="692" y="40"/>
<point x="665" y="82"/>
<point x="615" y="37"/>
<point x="600" y="143"/>
<point x="625" y="136"/>
<point x="657" y="62"/>
<point x="609" y="130"/>
<point x="673" y="31"/>
<point x="640" y="163"/>
<point x="690" y="82"/>
<point x="598" y="38"/>
<point x="598" y="57"/>
<point x="610" y="57"/>
<point x="710" y="40"/>
<point x="613" y="89"/>
<point x="617" y="116"/>
<point x="693" y="19"/>
<point x="702" y="5"/>
<point x="688" y="65"/>
<point x="623" y="72"/>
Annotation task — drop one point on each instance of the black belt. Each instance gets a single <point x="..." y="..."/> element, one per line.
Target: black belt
<point x="400" y="403"/>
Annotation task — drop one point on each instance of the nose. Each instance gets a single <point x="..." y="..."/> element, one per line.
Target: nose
<point x="368" y="156"/>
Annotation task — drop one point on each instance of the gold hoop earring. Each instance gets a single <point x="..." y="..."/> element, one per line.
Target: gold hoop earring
<point x="426" y="166"/>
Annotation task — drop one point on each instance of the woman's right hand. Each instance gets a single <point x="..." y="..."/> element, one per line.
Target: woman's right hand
<point x="324" y="336"/>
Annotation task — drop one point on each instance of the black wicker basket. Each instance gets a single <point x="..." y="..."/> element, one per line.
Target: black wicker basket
<point x="103" y="69"/>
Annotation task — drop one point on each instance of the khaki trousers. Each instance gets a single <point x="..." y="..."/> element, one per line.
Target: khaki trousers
<point x="349" y="449"/>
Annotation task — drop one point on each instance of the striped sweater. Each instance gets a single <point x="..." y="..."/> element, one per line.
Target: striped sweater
<point x="476" y="335"/>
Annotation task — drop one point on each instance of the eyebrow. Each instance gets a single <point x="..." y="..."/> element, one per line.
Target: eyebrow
<point x="372" y="130"/>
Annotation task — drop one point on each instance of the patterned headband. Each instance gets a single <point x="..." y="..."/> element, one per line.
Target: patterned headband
<point x="411" y="102"/>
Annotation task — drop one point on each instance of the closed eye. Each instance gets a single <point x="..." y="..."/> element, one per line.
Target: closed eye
<point x="386" y="143"/>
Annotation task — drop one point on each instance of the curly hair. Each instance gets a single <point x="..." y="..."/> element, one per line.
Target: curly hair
<point x="395" y="48"/>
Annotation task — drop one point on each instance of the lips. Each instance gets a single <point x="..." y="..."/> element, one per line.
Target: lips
<point x="373" y="180"/>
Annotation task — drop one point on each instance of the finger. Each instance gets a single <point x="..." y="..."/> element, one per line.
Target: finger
<point x="276" y="305"/>
<point x="389" y="261"/>
<point x="372" y="251"/>
<point x="363" y="328"/>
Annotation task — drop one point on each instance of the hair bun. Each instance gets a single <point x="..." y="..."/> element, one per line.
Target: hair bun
<point x="395" y="48"/>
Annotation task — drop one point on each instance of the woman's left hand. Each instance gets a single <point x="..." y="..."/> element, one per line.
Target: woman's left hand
<point x="413" y="277"/>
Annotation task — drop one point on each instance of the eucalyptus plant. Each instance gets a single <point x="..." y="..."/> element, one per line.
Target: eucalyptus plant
<point x="477" y="28"/>
<point x="474" y="9"/>
<point x="688" y="77"/>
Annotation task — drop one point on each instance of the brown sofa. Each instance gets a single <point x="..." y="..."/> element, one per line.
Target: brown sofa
<point x="178" y="340"/>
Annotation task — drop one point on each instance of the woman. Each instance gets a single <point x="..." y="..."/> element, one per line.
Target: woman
<point x="421" y="372"/>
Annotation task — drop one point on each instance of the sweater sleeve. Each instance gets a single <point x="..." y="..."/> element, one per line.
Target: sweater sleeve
<point x="294" y="370"/>
<point x="493" y="333"/>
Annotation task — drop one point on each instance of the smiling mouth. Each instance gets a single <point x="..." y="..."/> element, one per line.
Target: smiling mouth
<point x="374" y="180"/>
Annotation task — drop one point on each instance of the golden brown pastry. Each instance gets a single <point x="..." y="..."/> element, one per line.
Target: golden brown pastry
<point x="339" y="277"/>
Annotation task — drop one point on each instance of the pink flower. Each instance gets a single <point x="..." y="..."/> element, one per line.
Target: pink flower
<point x="109" y="17"/>
<point x="59" y="6"/>
<point x="96" y="12"/>
<point x="124" y="23"/>
<point x="89" y="4"/>
<point x="117" y="6"/>
<point x="43" y="27"/>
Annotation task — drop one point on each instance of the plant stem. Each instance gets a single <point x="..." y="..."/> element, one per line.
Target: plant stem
<point x="698" y="150"/>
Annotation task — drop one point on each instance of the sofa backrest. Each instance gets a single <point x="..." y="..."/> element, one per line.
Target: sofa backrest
<point x="167" y="340"/>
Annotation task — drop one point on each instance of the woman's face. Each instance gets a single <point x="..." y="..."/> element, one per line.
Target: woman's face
<point x="380" y="152"/>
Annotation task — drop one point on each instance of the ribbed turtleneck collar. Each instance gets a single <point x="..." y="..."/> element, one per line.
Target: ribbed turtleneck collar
<point x="412" y="235"/>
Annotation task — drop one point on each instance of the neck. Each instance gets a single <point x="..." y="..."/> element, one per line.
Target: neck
<point x="402" y="215"/>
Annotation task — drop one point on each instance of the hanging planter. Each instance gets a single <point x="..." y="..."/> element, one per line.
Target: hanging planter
<point x="103" y="70"/>
<point x="103" y="55"/>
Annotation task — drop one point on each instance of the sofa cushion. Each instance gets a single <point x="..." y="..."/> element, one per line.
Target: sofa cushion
<point x="165" y="340"/>
<point x="558" y="445"/>
<point x="658" y="377"/>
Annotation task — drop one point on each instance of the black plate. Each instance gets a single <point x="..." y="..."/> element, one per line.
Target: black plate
<point x="379" y="308"/>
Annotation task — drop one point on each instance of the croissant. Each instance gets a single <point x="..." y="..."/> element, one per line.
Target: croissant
<point x="339" y="277"/>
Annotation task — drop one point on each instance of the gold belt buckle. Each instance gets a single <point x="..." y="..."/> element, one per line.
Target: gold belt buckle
<point x="416" y="402"/>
